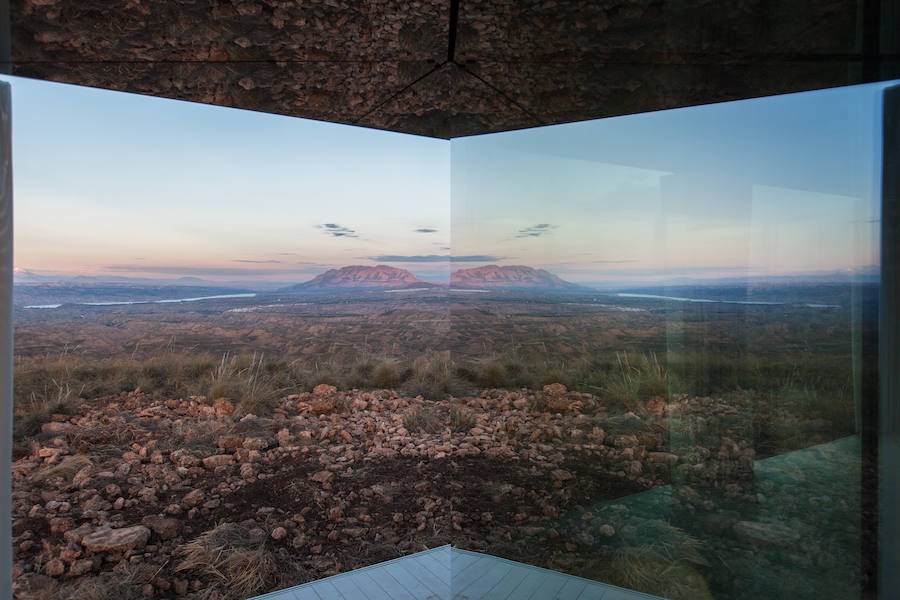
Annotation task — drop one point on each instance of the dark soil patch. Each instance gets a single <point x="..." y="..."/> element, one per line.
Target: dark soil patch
<point x="408" y="504"/>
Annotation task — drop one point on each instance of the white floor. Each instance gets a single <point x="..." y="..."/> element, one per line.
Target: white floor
<point x="448" y="573"/>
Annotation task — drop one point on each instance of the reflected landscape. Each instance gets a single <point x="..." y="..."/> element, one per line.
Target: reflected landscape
<point x="630" y="350"/>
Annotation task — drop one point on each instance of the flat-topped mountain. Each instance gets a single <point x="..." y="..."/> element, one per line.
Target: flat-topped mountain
<point x="515" y="276"/>
<point x="358" y="276"/>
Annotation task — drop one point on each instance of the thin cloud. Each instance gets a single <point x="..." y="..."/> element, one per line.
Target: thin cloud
<point x="256" y="262"/>
<point x="614" y="262"/>
<point x="535" y="230"/>
<point x="335" y="230"/>
<point x="204" y="271"/>
<point x="426" y="230"/>
<point x="476" y="258"/>
<point x="419" y="258"/>
<point x="432" y="258"/>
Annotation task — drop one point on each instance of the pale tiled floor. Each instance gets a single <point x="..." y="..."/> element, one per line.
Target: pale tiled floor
<point x="448" y="573"/>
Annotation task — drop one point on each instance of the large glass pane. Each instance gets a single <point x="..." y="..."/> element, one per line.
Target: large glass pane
<point x="666" y="315"/>
<point x="252" y="351"/>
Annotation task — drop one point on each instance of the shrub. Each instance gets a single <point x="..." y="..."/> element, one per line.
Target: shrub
<point x="433" y="377"/>
<point x="635" y="380"/>
<point x="493" y="375"/>
<point x="386" y="374"/>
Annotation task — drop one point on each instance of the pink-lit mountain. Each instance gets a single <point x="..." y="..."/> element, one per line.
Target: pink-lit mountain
<point x="358" y="276"/>
<point x="384" y="277"/>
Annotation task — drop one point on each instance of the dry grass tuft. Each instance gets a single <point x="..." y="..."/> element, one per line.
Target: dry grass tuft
<point x="656" y="558"/>
<point x="385" y="375"/>
<point x="251" y="384"/>
<point x="66" y="468"/>
<point x="433" y="377"/>
<point x="238" y="566"/>
<point x="54" y="397"/>
<point x="461" y="418"/>
<point x="100" y="434"/>
<point x="645" y="571"/>
<point x="635" y="380"/>
<point x="428" y="418"/>
<point x="493" y="375"/>
<point x="120" y="584"/>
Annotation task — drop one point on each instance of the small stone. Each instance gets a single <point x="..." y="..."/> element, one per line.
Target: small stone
<point x="555" y="389"/>
<point x="81" y="567"/>
<point x="279" y="533"/>
<point x="662" y="457"/>
<point x="561" y="475"/>
<point x="256" y="443"/>
<point x="54" y="568"/>
<point x="61" y="525"/>
<point x="193" y="498"/>
<point x="217" y="460"/>
<point x="323" y="390"/>
<point x="323" y="476"/>
<point x="76" y="535"/>
<point x="230" y="442"/>
<point x="56" y="428"/>
<point x="164" y="527"/>
<point x="223" y="407"/>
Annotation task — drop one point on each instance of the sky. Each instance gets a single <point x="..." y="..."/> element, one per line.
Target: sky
<point x="107" y="183"/>
<point x="114" y="184"/>
<point x="783" y="186"/>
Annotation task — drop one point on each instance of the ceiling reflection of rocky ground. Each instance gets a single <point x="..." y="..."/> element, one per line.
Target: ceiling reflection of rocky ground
<point x="451" y="68"/>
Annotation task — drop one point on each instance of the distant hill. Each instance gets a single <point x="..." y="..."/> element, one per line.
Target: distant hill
<point x="357" y="276"/>
<point x="511" y="277"/>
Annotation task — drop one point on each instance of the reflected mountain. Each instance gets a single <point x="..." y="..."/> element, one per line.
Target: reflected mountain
<point x="516" y="277"/>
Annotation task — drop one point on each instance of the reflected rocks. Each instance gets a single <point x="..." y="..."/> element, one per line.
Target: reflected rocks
<point x="768" y="533"/>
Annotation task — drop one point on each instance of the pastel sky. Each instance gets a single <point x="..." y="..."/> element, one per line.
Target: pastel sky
<point x="776" y="186"/>
<point x="108" y="183"/>
<point x="119" y="184"/>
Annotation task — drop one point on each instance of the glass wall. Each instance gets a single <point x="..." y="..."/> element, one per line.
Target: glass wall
<point x="254" y="351"/>
<point x="667" y="320"/>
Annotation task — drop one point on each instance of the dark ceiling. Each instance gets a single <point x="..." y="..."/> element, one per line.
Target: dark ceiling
<point x="454" y="68"/>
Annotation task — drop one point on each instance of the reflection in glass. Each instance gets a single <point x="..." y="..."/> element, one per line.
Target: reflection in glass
<point x="634" y="350"/>
<point x="682" y="397"/>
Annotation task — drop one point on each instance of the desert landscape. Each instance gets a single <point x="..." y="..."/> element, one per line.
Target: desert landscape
<point x="197" y="441"/>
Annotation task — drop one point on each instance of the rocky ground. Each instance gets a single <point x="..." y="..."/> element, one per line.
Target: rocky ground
<point x="142" y="493"/>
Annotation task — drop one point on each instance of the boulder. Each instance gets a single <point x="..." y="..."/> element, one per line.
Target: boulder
<point x="117" y="540"/>
<point x="323" y="390"/>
